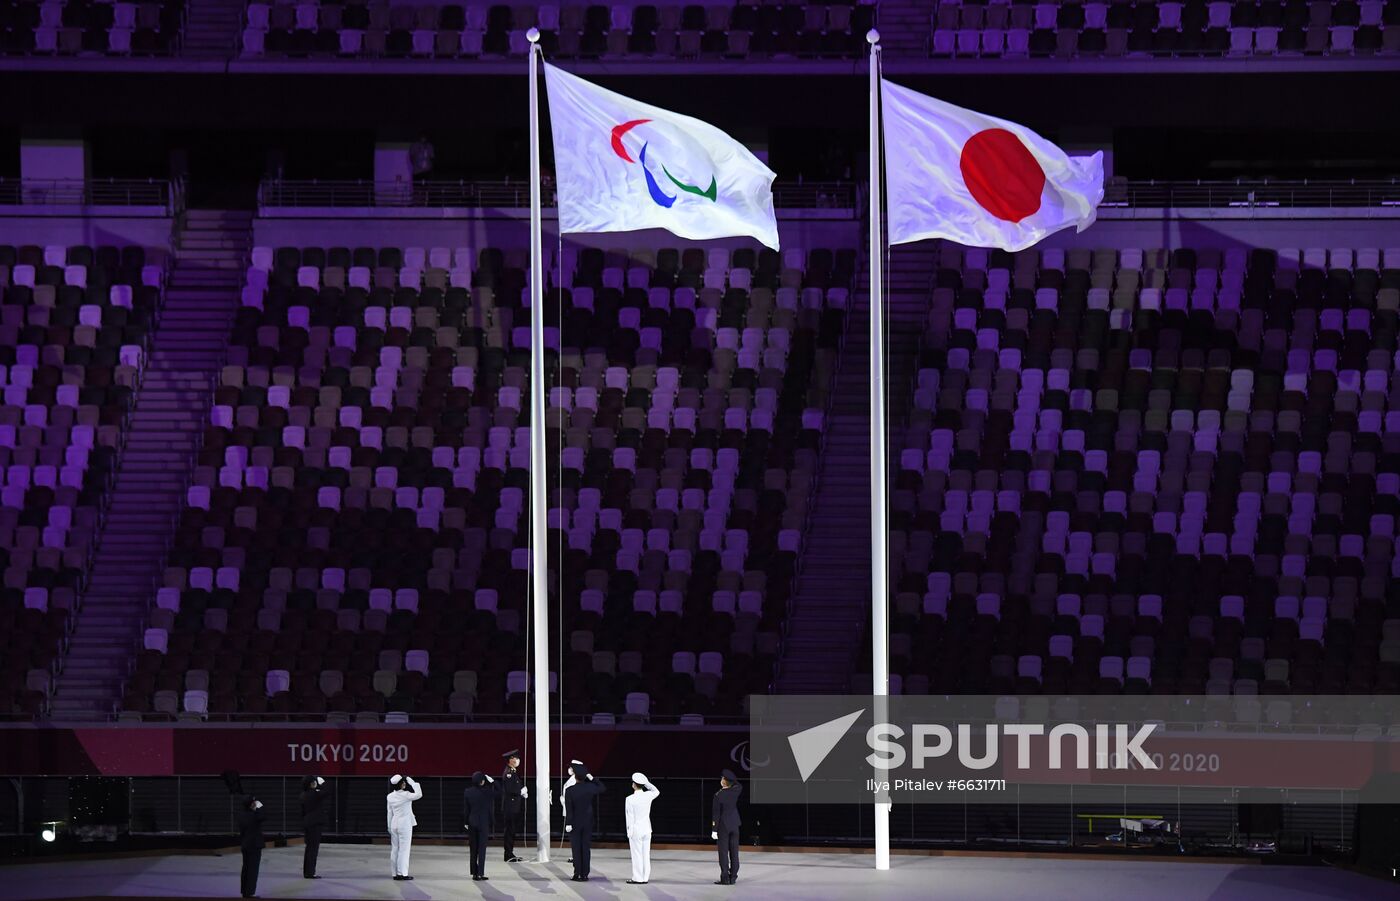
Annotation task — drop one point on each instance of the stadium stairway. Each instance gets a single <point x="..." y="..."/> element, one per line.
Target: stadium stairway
<point x="832" y="602"/>
<point x="162" y="438"/>
<point x="212" y="28"/>
<point x="904" y="27"/>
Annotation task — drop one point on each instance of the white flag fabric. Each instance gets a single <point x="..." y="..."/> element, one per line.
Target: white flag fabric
<point x="978" y="180"/>
<point x="621" y="165"/>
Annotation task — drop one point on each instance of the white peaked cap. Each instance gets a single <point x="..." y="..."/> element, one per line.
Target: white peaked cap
<point x="575" y="763"/>
<point x="395" y="780"/>
<point x="640" y="778"/>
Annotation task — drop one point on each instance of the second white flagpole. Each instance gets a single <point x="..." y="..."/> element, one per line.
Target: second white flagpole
<point x="879" y="576"/>
<point x="539" y="534"/>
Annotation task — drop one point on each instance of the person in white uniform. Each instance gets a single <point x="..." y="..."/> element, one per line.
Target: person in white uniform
<point x="638" y="811"/>
<point x="403" y="791"/>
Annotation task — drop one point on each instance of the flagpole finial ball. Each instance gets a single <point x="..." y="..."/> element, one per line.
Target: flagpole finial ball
<point x="872" y="37"/>
<point x="533" y="35"/>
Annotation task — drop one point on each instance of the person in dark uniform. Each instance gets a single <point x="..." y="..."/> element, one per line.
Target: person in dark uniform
<point x="250" y="837"/>
<point x="724" y="821"/>
<point x="478" y="812"/>
<point x="513" y="796"/>
<point x="578" y="807"/>
<point x="563" y="796"/>
<point x="313" y="820"/>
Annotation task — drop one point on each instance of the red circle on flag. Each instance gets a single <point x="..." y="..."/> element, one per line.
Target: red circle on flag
<point x="1002" y="174"/>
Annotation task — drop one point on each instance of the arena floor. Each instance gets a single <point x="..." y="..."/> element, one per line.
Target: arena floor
<point x="354" y="872"/>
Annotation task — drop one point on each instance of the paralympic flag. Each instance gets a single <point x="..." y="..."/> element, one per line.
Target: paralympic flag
<point x="978" y="180"/>
<point x="621" y="165"/>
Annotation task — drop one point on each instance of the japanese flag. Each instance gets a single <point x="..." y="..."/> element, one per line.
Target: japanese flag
<point x="978" y="180"/>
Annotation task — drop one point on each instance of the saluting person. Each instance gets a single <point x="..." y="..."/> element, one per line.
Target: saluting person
<point x="514" y="793"/>
<point x="250" y="840"/>
<point x="563" y="797"/>
<point x="478" y="812"/>
<point x="403" y="791"/>
<point x="313" y="821"/>
<point x="578" y="804"/>
<point x="724" y="821"/>
<point x="637" y="808"/>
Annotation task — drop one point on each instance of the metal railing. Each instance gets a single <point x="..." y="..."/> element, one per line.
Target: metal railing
<point x="1240" y="193"/>
<point x="402" y="54"/>
<point x="1249" y="193"/>
<point x="274" y="193"/>
<point x="466" y="194"/>
<point x="815" y="195"/>
<point x="150" y="192"/>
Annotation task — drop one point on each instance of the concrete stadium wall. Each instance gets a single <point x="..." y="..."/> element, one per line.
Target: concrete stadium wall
<point x="1224" y="228"/>
<point x="510" y="228"/>
<point x="1139" y="228"/>
<point x="28" y="227"/>
<point x="798" y="228"/>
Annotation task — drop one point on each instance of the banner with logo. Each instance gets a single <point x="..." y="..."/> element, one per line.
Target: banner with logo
<point x="278" y="750"/>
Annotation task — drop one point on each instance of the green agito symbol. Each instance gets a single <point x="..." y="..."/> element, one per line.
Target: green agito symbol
<point x="659" y="196"/>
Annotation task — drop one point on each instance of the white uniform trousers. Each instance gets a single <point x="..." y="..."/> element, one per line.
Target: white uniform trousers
<point x="641" y="857"/>
<point x="400" y="843"/>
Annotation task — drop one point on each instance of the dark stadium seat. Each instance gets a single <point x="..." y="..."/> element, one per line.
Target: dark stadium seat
<point x="74" y="325"/>
<point x="685" y="407"/>
<point x="1071" y="28"/>
<point x="568" y="31"/>
<point x="1133" y="471"/>
<point x="73" y="28"/>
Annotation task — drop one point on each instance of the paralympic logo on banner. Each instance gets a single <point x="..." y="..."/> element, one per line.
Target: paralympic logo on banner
<point x="654" y="188"/>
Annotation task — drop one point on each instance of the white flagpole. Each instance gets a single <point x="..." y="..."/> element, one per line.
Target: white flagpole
<point x="879" y="577"/>
<point x="539" y="535"/>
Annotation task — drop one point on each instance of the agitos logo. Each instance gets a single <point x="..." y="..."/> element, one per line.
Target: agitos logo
<point x="660" y="197"/>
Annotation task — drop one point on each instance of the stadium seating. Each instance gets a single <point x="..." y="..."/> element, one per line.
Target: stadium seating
<point x="87" y="27"/>
<point x="73" y="332"/>
<point x="1150" y="472"/>
<point x="568" y="31"/>
<point x="689" y="438"/>
<point x="1117" y="28"/>
<point x="354" y="542"/>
